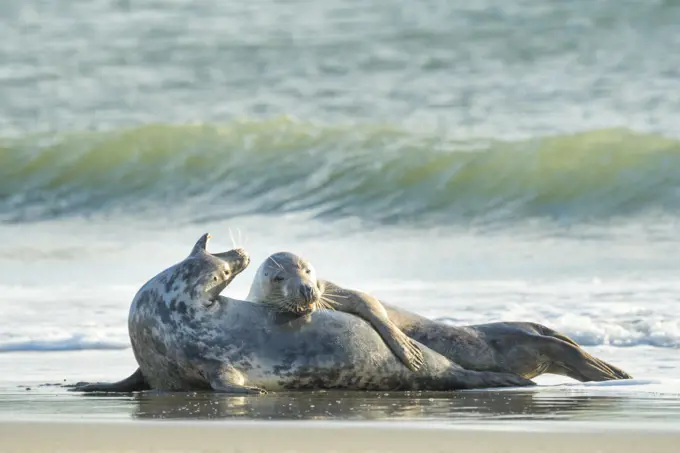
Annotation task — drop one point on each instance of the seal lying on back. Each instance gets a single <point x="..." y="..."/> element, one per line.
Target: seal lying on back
<point x="523" y="348"/>
<point x="186" y="337"/>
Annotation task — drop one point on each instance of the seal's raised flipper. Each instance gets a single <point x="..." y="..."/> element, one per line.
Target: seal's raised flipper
<point x="133" y="383"/>
<point x="201" y="245"/>
<point x="225" y="379"/>
<point x="370" y="309"/>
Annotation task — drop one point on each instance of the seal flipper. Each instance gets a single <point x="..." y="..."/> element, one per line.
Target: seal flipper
<point x="133" y="383"/>
<point x="201" y="245"/>
<point x="370" y="309"/>
<point x="226" y="379"/>
<point x="603" y="371"/>
<point x="572" y="361"/>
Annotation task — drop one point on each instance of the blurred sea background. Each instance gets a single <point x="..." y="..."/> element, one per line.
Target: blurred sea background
<point x="471" y="161"/>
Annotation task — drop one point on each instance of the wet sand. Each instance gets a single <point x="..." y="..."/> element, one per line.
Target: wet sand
<point x="314" y="437"/>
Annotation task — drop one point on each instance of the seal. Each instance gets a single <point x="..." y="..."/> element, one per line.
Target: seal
<point x="187" y="337"/>
<point x="289" y="283"/>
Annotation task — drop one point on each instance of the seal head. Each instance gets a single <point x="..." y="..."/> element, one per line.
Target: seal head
<point x="207" y="275"/>
<point x="288" y="283"/>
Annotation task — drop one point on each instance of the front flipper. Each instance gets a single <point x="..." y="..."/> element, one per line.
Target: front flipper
<point x="370" y="309"/>
<point x="133" y="383"/>
<point x="226" y="379"/>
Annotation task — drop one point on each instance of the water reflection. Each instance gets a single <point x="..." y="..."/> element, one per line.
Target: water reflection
<point x="372" y="406"/>
<point x="551" y="403"/>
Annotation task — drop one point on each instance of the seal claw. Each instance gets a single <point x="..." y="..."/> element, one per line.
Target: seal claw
<point x="405" y="349"/>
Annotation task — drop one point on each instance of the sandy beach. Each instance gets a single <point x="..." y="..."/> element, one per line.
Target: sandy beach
<point x="294" y="437"/>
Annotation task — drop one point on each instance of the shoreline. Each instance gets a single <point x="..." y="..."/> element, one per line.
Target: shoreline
<point x="245" y="436"/>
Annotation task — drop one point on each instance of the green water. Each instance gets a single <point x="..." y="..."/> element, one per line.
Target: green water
<point x="392" y="112"/>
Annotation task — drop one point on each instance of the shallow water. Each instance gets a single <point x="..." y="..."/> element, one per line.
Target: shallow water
<point x="504" y="161"/>
<point x="648" y="403"/>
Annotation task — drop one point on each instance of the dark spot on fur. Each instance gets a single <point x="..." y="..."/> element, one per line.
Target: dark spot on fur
<point x="182" y="308"/>
<point x="192" y="350"/>
<point x="164" y="313"/>
<point x="289" y="359"/>
<point x="161" y="348"/>
<point x="245" y="365"/>
<point x="143" y="300"/>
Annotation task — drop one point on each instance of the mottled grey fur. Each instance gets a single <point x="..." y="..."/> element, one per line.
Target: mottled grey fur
<point x="186" y="338"/>
<point x="522" y="348"/>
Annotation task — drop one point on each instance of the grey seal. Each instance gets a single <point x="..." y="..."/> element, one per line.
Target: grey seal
<point x="289" y="284"/>
<point x="186" y="337"/>
<point x="523" y="348"/>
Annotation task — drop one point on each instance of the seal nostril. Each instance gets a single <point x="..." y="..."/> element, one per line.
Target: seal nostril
<point x="307" y="293"/>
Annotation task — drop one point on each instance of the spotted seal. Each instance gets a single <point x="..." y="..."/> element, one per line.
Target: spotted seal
<point x="185" y="337"/>
<point x="527" y="349"/>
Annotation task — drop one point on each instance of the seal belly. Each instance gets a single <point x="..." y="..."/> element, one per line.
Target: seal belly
<point x="319" y="350"/>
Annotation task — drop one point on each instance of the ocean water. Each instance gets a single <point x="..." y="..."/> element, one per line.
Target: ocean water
<point x="507" y="160"/>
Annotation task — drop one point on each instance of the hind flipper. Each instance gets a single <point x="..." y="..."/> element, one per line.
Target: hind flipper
<point x="133" y="383"/>
<point x="570" y="360"/>
<point x="565" y="338"/>
<point x="616" y="372"/>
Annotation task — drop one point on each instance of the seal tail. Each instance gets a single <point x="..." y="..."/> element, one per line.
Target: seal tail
<point x="577" y="363"/>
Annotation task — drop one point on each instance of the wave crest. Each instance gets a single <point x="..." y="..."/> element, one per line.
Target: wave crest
<point x="376" y="173"/>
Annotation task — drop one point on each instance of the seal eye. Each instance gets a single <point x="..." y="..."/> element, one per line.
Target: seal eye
<point x="278" y="278"/>
<point x="214" y="278"/>
<point x="308" y="271"/>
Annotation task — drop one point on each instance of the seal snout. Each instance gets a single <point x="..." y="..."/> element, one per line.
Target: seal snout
<point x="239" y="258"/>
<point x="243" y="256"/>
<point x="307" y="293"/>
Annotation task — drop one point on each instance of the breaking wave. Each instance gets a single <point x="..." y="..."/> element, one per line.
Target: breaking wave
<point x="378" y="174"/>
